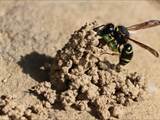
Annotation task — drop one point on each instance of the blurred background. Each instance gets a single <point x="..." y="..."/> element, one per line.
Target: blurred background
<point x="45" y="26"/>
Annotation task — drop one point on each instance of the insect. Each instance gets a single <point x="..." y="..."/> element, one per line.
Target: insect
<point x="117" y="37"/>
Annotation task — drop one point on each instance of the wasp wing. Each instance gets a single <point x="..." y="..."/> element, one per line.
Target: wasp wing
<point x="144" y="25"/>
<point x="151" y="50"/>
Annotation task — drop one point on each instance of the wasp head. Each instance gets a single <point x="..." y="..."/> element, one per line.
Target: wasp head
<point x="108" y="29"/>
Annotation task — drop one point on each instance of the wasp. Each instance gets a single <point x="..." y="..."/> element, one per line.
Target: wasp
<point x="117" y="37"/>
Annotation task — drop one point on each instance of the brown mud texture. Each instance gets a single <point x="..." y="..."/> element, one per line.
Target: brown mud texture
<point x="86" y="80"/>
<point x="83" y="81"/>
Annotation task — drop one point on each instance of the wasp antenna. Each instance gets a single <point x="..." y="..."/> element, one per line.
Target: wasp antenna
<point x="96" y="28"/>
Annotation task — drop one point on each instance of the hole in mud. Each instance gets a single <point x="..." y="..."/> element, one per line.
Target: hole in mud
<point x="81" y="96"/>
<point x="101" y="43"/>
<point x="57" y="104"/>
<point x="94" y="111"/>
<point x="73" y="66"/>
<point x="111" y="109"/>
<point x="40" y="97"/>
<point x="87" y="71"/>
<point x="36" y="65"/>
<point x="74" y="106"/>
<point x="83" y="60"/>
<point x="67" y="83"/>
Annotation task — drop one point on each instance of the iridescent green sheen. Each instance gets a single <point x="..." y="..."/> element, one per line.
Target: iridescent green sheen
<point x="111" y="42"/>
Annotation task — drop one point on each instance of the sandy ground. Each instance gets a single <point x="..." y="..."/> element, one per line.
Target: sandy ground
<point x="30" y="31"/>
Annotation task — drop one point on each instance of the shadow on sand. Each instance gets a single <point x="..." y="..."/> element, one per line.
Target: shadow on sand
<point x="36" y="65"/>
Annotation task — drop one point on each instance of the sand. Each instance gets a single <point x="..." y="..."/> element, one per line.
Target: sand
<point x="31" y="33"/>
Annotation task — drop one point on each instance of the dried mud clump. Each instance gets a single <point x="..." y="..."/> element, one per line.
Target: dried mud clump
<point x="85" y="78"/>
<point x="45" y="93"/>
<point x="10" y="110"/>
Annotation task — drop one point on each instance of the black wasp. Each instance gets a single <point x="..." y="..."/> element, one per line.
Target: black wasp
<point x="117" y="39"/>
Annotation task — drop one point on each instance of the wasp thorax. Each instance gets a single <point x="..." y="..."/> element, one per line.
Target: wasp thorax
<point x="121" y="34"/>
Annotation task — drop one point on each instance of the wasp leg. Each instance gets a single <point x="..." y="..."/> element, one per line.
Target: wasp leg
<point x="118" y="68"/>
<point x="109" y="53"/>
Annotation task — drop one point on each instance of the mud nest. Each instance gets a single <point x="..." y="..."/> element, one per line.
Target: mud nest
<point x="86" y="80"/>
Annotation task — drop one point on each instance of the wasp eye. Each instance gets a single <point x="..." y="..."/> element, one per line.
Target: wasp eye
<point x="109" y="28"/>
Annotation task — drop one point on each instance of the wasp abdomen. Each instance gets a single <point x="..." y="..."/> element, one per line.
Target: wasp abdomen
<point x="126" y="54"/>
